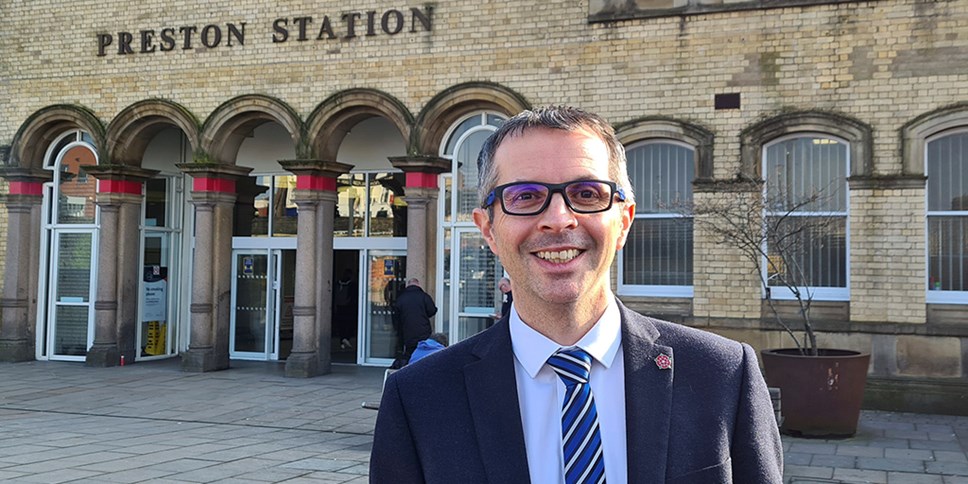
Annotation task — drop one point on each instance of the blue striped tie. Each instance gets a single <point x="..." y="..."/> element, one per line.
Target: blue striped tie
<point x="580" y="436"/>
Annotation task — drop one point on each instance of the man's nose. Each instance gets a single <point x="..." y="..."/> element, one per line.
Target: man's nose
<point x="558" y="215"/>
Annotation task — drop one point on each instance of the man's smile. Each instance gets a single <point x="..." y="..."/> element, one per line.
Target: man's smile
<point x="558" y="256"/>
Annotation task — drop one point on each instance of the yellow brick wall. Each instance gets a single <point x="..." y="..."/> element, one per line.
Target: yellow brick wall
<point x="726" y="284"/>
<point x="887" y="265"/>
<point x="880" y="62"/>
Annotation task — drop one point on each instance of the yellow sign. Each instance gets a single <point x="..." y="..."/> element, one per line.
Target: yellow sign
<point x="156" y="338"/>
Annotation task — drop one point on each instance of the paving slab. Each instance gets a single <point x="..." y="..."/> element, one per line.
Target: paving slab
<point x="150" y="422"/>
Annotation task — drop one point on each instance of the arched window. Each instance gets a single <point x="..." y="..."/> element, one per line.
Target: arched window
<point x="71" y="247"/>
<point x="947" y="172"/>
<point x="657" y="258"/>
<point x="76" y="191"/>
<point x="805" y="216"/>
<point x="468" y="286"/>
<point x="464" y="142"/>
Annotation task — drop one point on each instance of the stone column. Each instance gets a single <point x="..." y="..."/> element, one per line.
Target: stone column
<point x="18" y="301"/>
<point x="315" y="196"/>
<point x="418" y="202"/>
<point x="421" y="191"/>
<point x="213" y="194"/>
<point x="119" y="196"/>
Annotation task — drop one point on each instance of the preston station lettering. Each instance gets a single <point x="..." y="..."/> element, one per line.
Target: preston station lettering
<point x="346" y="26"/>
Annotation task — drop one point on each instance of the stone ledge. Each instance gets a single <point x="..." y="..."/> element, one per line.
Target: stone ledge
<point x="923" y="395"/>
<point x="820" y="326"/>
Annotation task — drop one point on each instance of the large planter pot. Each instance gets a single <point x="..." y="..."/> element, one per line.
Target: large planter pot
<point x="821" y="395"/>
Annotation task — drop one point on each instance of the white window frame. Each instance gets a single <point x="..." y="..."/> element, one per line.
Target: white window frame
<point x="677" y="291"/>
<point x="449" y="322"/>
<point x="52" y="228"/>
<point x="939" y="296"/>
<point x="810" y="292"/>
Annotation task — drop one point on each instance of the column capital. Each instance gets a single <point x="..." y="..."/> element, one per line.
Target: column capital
<point x="121" y="173"/>
<point x="314" y="177"/>
<point x="419" y="198"/>
<point x="429" y="164"/>
<point x="28" y="175"/>
<point x="26" y="184"/>
<point x="421" y="170"/>
<point x="319" y="168"/>
<point x="119" y="184"/>
<point x="213" y="177"/>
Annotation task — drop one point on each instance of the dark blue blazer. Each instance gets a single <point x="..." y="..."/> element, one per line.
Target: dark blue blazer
<point x="453" y="417"/>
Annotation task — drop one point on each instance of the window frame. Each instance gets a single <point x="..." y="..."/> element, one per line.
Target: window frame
<point x="938" y="296"/>
<point x="813" y="293"/>
<point x="652" y="290"/>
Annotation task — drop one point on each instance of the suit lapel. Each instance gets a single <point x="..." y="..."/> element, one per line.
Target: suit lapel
<point x="493" y="397"/>
<point x="648" y="399"/>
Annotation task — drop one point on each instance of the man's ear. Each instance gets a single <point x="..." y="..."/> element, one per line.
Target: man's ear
<point x="628" y="215"/>
<point x="484" y="223"/>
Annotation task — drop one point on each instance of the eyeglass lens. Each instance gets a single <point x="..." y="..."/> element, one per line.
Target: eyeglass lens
<point x="582" y="196"/>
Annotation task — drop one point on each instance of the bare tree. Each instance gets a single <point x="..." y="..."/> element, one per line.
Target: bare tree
<point x="775" y="232"/>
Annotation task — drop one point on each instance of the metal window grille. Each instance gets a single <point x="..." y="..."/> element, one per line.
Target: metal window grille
<point x="658" y="251"/>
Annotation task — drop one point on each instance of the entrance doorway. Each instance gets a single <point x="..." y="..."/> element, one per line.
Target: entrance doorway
<point x="366" y="282"/>
<point x="262" y="297"/>
<point x="68" y="281"/>
<point x="346" y="305"/>
<point x="386" y="276"/>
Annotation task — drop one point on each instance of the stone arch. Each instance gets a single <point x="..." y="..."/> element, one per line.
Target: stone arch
<point x="450" y="105"/>
<point x="914" y="134"/>
<point x="329" y="123"/>
<point x="227" y="126"/>
<point x="40" y="129"/>
<point x="654" y="127"/>
<point x="132" y="129"/>
<point x="858" y="134"/>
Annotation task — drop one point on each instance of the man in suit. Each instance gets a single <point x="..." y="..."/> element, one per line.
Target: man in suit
<point x="572" y="386"/>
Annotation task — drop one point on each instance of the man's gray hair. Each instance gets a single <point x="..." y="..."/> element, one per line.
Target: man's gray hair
<point x="553" y="117"/>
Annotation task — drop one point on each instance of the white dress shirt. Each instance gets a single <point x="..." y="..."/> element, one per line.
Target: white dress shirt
<point x="541" y="395"/>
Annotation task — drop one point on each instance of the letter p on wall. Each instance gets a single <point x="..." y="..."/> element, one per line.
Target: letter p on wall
<point x="103" y="41"/>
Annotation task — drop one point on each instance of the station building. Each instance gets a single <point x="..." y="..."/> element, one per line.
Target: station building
<point x="255" y="180"/>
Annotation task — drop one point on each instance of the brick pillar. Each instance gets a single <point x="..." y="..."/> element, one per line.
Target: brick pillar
<point x="315" y="195"/>
<point x="421" y="193"/>
<point x="119" y="196"/>
<point x="214" y="195"/>
<point x="18" y="304"/>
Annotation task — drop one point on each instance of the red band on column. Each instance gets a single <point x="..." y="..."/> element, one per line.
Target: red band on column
<point x="315" y="183"/>
<point x="26" y="188"/>
<point x="421" y="180"/>
<point x="119" y="186"/>
<point x="222" y="185"/>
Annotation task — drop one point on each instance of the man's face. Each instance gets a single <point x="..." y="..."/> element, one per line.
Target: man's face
<point x="557" y="256"/>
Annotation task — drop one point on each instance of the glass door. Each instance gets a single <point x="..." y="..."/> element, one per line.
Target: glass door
<point x="263" y="298"/>
<point x="254" y="299"/>
<point x="156" y="296"/>
<point x="385" y="276"/>
<point x="475" y="272"/>
<point x="161" y="256"/>
<point x="71" y="309"/>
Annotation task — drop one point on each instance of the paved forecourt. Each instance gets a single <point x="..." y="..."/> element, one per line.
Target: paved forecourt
<point x="151" y="422"/>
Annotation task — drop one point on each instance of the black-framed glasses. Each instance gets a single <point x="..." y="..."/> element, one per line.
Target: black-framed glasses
<point x="532" y="198"/>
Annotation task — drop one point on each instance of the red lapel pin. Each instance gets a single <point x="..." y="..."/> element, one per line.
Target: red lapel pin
<point x="664" y="362"/>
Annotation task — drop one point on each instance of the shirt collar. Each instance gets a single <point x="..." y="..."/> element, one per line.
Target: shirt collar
<point x="532" y="349"/>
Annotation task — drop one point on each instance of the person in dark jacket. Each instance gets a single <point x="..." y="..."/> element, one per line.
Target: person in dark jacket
<point x="413" y="310"/>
